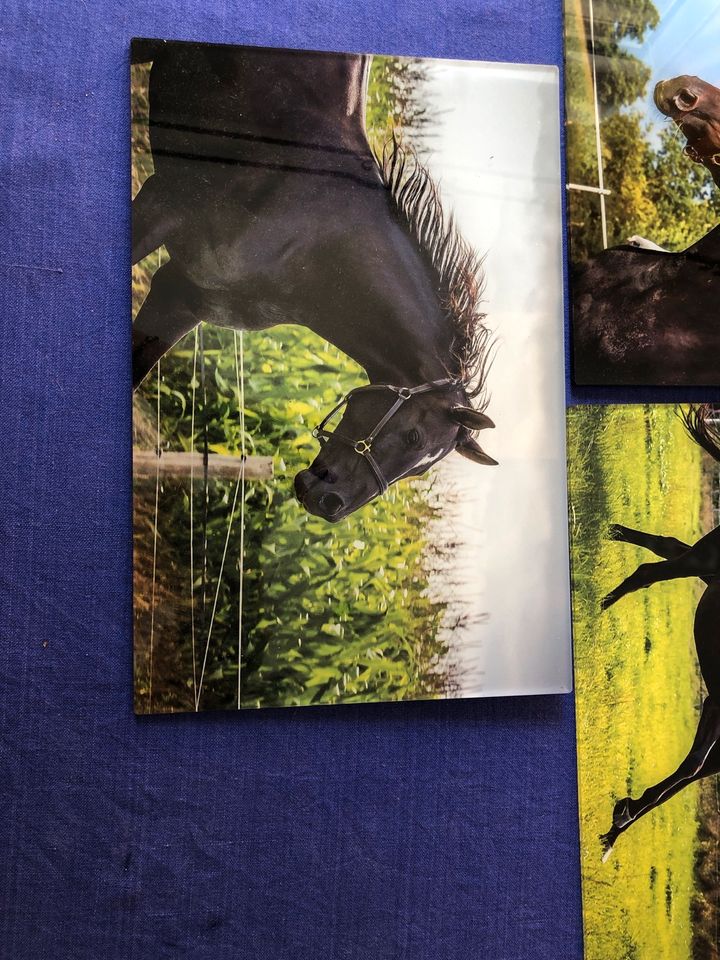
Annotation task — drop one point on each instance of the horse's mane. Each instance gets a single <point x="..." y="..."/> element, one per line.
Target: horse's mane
<point x="701" y="423"/>
<point x="457" y="268"/>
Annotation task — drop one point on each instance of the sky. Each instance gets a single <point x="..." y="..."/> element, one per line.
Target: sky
<point x="496" y="155"/>
<point x="686" y="41"/>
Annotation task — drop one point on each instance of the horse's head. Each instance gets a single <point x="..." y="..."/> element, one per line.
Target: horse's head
<point x="387" y="433"/>
<point x="694" y="105"/>
<point x="411" y="303"/>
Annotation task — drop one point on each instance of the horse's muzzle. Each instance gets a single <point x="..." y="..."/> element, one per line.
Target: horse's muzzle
<point x="314" y="496"/>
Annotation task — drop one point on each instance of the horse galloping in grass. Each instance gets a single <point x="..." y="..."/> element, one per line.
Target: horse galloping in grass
<point x="274" y="209"/>
<point x="680" y="560"/>
<point x="642" y="315"/>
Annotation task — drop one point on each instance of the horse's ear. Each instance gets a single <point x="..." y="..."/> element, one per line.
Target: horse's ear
<point x="471" y="449"/>
<point x="470" y="418"/>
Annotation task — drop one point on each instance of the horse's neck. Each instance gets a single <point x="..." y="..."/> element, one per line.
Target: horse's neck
<point x="380" y="302"/>
<point x="342" y="264"/>
<point x="390" y="352"/>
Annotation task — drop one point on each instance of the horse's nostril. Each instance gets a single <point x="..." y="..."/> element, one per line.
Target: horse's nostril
<point x="331" y="503"/>
<point x="322" y="473"/>
<point x="685" y="99"/>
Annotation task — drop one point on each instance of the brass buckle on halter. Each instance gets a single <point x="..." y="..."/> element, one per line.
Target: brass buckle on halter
<point x="715" y="159"/>
<point x="404" y="392"/>
<point x="362" y="447"/>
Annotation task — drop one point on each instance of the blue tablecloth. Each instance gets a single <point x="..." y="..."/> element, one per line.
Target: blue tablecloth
<point x="431" y="830"/>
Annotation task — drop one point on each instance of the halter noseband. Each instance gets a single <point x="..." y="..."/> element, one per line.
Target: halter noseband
<point x="694" y="154"/>
<point x="364" y="447"/>
<point x="697" y="157"/>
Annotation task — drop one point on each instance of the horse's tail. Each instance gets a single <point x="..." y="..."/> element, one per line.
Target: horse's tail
<point x="702" y="422"/>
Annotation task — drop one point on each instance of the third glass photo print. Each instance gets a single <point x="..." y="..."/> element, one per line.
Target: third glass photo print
<point x="643" y="168"/>
<point x="645" y="548"/>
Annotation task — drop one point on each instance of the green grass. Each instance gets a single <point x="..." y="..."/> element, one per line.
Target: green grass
<point x="637" y="680"/>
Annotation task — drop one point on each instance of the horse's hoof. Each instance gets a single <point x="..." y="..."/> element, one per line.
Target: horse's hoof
<point x="607" y="842"/>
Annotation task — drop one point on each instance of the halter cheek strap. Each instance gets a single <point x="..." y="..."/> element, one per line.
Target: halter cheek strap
<point x="363" y="447"/>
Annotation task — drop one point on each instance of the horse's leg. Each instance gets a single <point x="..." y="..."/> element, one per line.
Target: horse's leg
<point x="152" y="218"/>
<point x="701" y="560"/>
<point x="667" y="547"/>
<point x="701" y="761"/>
<point x="645" y="575"/>
<point x="171" y="309"/>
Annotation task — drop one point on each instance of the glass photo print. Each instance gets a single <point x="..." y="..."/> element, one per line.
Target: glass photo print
<point x="349" y="453"/>
<point x="642" y="86"/>
<point x="645" y="523"/>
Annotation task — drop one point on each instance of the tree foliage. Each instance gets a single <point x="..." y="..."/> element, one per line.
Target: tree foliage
<point x="621" y="76"/>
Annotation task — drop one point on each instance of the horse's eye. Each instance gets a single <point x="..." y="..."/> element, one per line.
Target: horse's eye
<point x="413" y="438"/>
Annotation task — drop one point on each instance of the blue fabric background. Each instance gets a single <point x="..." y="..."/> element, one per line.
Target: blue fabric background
<point x="435" y="830"/>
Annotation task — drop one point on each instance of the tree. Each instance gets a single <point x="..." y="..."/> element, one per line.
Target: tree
<point x="685" y="199"/>
<point x="621" y="76"/>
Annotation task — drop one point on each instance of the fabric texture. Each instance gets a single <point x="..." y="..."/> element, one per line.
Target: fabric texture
<point x="425" y="830"/>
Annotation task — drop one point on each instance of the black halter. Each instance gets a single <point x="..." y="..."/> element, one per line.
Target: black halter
<point x="364" y="447"/>
<point x="704" y="158"/>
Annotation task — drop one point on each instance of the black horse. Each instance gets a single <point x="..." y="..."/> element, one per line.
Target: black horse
<point x="681" y="560"/>
<point x="274" y="209"/>
<point x="642" y="315"/>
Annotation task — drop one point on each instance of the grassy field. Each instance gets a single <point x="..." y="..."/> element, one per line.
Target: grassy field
<point x="637" y="681"/>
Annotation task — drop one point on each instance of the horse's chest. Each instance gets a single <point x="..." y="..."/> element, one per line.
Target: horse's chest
<point x="232" y="248"/>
